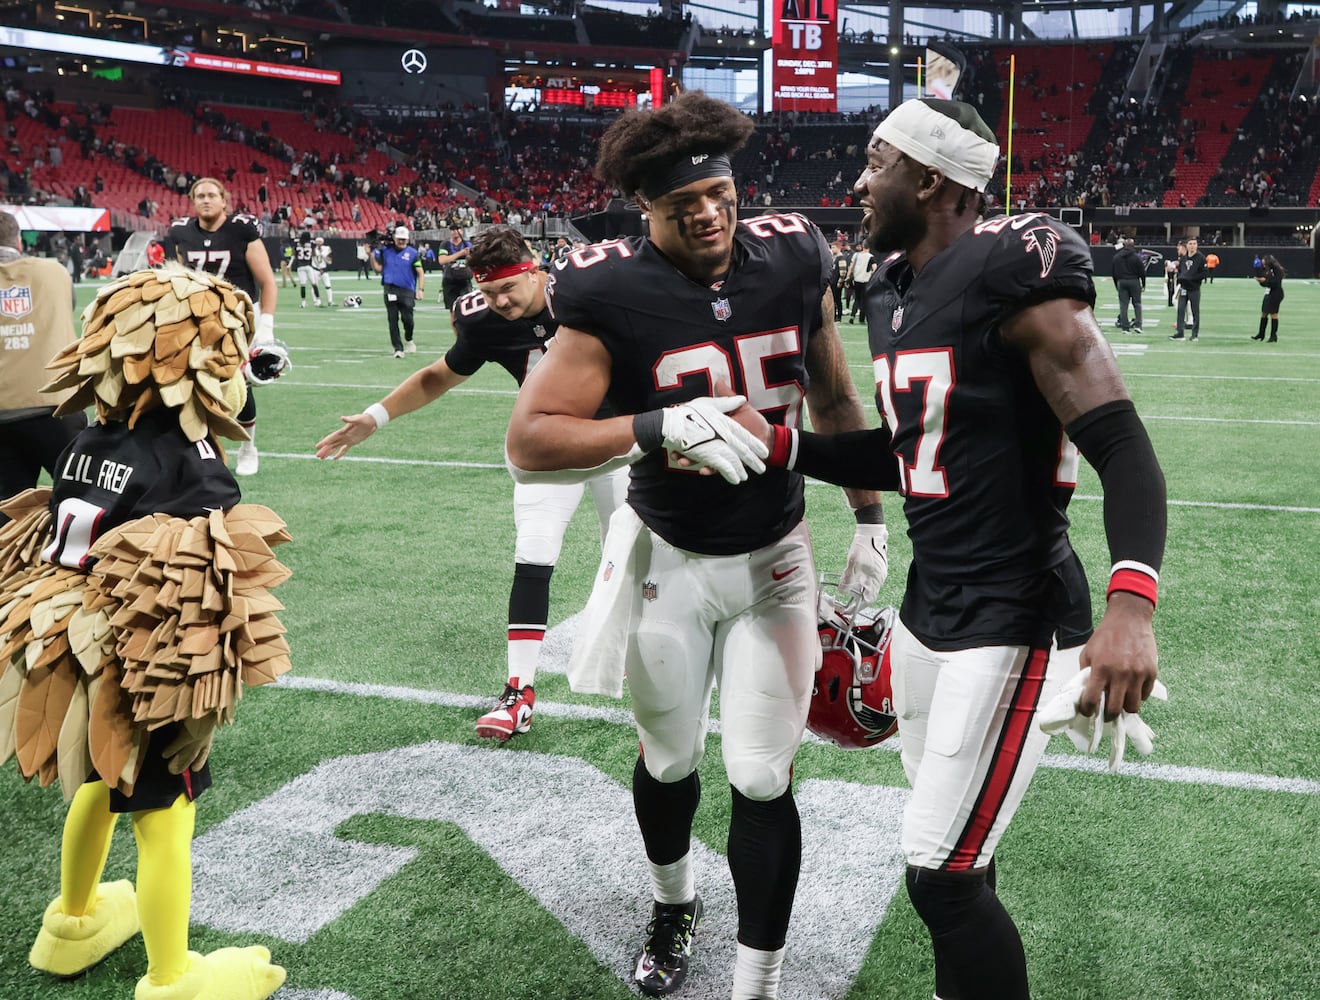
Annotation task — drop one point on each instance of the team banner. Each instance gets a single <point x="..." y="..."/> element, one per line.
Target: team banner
<point x="59" y="218"/>
<point x="805" y="50"/>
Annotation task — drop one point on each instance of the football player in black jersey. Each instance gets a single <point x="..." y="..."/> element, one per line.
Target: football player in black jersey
<point x="992" y="375"/>
<point x="701" y="582"/>
<point x="230" y="247"/>
<point x="504" y="321"/>
<point x="304" y="255"/>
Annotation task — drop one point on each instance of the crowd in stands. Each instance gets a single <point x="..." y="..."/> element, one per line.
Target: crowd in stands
<point x="1214" y="129"/>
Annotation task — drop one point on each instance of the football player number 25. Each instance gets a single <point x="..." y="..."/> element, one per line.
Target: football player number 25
<point x="931" y="373"/>
<point x="754" y="351"/>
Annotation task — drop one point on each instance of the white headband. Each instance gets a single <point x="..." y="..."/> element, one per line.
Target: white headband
<point x="936" y="140"/>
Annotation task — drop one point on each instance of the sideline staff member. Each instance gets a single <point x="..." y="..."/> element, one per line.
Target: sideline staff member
<point x="36" y="323"/>
<point x="1191" y="272"/>
<point x="1129" y="272"/>
<point x="401" y="275"/>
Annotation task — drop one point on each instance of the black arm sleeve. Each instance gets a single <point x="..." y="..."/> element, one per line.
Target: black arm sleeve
<point x="1114" y="440"/>
<point x="858" y="459"/>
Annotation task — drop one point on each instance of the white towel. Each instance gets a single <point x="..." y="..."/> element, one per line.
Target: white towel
<point x="598" y="663"/>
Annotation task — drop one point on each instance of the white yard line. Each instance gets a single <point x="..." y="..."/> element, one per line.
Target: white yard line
<point x="623" y="717"/>
<point x="810" y="482"/>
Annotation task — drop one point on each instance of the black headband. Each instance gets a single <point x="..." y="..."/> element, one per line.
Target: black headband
<point x="689" y="168"/>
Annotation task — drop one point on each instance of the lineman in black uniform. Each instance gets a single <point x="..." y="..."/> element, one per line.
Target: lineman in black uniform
<point x="1129" y="272"/>
<point x="701" y="582"/>
<point x="992" y="375"/>
<point x="230" y="247"/>
<point x="1271" y="277"/>
<point x="1191" y="272"/>
<point x="504" y="321"/>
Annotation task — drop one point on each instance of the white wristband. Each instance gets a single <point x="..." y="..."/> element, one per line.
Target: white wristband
<point x="379" y="414"/>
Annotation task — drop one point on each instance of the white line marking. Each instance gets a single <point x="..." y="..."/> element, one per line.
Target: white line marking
<point x="1235" y="420"/>
<point x="1215" y="505"/>
<point x="623" y="717"/>
<point x="388" y="461"/>
<point x="359" y="385"/>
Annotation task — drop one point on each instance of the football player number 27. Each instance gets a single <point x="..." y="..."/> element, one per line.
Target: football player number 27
<point x="754" y="351"/>
<point x="931" y="373"/>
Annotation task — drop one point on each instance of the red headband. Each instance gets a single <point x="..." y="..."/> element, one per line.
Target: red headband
<point x="504" y="271"/>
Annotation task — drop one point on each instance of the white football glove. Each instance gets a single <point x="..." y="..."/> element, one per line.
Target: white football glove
<point x="868" y="564"/>
<point x="1060" y="715"/>
<point x="265" y="331"/>
<point x="700" y="431"/>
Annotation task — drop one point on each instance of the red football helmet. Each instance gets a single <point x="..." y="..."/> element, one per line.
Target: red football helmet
<point x="852" y="703"/>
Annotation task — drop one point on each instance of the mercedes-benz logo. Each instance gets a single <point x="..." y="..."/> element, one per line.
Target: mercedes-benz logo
<point x="414" y="61"/>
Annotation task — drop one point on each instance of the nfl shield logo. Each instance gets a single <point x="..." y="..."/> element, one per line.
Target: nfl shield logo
<point x="898" y="319"/>
<point x="15" y="301"/>
<point x="650" y="591"/>
<point x="721" y="309"/>
<point x="609" y="571"/>
<point x="539" y="330"/>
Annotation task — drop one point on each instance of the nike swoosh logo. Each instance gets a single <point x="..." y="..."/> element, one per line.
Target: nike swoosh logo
<point x="775" y="574"/>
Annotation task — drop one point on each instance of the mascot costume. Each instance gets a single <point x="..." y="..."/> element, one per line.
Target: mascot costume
<point x="135" y="609"/>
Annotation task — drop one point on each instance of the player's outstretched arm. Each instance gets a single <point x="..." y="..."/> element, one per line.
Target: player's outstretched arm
<point x="413" y="393"/>
<point x="835" y="408"/>
<point x="1077" y="374"/>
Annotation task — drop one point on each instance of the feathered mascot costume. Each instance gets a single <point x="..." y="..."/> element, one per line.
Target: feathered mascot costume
<point x="135" y="609"/>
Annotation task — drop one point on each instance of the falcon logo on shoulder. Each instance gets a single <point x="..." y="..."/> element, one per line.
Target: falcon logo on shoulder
<point x="1044" y="241"/>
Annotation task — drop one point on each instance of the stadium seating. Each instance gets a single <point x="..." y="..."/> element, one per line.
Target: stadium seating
<point x="1218" y="94"/>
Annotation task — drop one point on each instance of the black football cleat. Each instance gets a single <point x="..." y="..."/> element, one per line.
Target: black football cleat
<point x="662" y="963"/>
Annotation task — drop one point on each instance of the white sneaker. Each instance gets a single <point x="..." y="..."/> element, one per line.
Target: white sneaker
<point x="302" y="304"/>
<point x="398" y="354"/>
<point x="247" y="459"/>
<point x="410" y="347"/>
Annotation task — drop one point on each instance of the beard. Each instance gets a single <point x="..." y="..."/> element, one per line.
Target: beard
<point x="899" y="226"/>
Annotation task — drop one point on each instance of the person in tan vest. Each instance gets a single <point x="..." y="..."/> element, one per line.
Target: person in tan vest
<point x="36" y="322"/>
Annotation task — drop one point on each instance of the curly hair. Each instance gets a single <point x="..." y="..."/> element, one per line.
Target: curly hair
<point x="498" y="246"/>
<point x="644" y="144"/>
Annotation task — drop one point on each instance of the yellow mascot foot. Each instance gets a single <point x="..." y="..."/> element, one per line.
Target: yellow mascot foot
<point x="225" y="974"/>
<point x="66" y="945"/>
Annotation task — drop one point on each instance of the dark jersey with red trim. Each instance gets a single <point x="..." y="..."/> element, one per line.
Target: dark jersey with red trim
<point x="672" y="338"/>
<point x="984" y="465"/>
<point x="109" y="475"/>
<point x="222" y="252"/>
<point x="483" y="335"/>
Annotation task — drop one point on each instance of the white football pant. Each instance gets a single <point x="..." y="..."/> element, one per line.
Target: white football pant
<point x="967" y="724"/>
<point x="746" y="622"/>
<point x="542" y="512"/>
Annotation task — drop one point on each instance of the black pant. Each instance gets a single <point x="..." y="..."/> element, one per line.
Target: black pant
<point x="1190" y="298"/>
<point x="399" y="303"/>
<point x="455" y="288"/>
<point x="859" y="300"/>
<point x="1129" y="290"/>
<point x="28" y="446"/>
